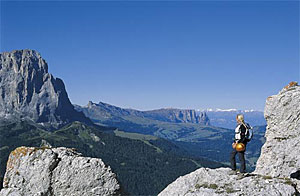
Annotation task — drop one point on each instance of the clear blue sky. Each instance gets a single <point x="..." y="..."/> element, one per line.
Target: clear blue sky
<point x="148" y="55"/>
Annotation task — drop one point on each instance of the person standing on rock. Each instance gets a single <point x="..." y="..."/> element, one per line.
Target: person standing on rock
<point x="240" y="137"/>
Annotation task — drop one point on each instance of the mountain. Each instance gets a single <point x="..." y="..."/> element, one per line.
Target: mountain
<point x="278" y="160"/>
<point x="144" y="165"/>
<point x="103" y="111"/>
<point x="226" y="118"/>
<point x="28" y="91"/>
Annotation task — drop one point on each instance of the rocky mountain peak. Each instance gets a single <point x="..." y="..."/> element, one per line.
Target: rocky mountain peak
<point x="28" y="91"/>
<point x="57" y="171"/>
<point x="22" y="60"/>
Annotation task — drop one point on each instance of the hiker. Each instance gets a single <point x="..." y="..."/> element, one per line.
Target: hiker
<point x="240" y="137"/>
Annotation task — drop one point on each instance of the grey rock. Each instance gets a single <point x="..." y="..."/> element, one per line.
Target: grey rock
<point x="56" y="172"/>
<point x="28" y="91"/>
<point x="209" y="182"/>
<point x="280" y="155"/>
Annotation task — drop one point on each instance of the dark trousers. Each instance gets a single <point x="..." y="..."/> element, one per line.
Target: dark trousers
<point x="242" y="160"/>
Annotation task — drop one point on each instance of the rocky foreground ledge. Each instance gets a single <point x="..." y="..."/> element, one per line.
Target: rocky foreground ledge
<point x="280" y="157"/>
<point x="56" y="171"/>
<point x="209" y="182"/>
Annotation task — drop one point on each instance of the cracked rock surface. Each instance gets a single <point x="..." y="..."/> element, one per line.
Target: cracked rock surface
<point x="280" y="155"/>
<point x="209" y="182"/>
<point x="56" y="172"/>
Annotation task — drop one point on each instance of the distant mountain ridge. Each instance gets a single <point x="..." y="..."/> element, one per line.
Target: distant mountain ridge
<point x="105" y="111"/>
<point x="28" y="91"/>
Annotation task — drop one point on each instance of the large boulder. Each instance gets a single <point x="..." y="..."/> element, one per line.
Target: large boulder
<point x="56" y="172"/>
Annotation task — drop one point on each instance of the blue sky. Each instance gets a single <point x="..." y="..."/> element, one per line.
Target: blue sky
<point x="158" y="54"/>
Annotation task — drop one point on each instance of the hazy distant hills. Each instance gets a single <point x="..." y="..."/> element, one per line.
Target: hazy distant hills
<point x="226" y="118"/>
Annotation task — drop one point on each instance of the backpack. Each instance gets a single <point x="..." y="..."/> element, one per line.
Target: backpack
<point x="249" y="132"/>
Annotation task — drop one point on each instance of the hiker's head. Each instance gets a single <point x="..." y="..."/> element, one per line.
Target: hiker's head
<point x="240" y="118"/>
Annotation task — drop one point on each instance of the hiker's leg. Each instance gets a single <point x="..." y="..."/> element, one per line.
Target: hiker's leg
<point x="243" y="162"/>
<point x="232" y="159"/>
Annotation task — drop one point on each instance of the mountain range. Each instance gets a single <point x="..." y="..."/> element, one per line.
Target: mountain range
<point x="103" y="111"/>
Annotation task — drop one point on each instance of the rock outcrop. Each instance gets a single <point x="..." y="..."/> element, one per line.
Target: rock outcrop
<point x="211" y="182"/>
<point x="280" y="157"/>
<point x="28" y="91"/>
<point x="56" y="172"/>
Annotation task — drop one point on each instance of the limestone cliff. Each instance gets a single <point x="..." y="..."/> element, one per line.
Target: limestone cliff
<point x="56" y="172"/>
<point x="28" y="91"/>
<point x="280" y="156"/>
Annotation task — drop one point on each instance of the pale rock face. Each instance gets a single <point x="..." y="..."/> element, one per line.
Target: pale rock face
<point x="280" y="155"/>
<point x="28" y="91"/>
<point x="216" y="182"/>
<point x="56" y="172"/>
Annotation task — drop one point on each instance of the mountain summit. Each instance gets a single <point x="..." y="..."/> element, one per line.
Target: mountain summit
<point x="28" y="91"/>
